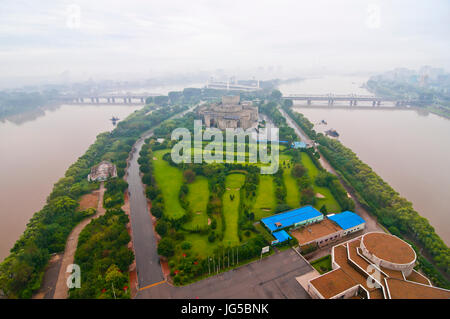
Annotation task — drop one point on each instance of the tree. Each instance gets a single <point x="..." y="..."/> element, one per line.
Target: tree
<point x="281" y="208"/>
<point x="323" y="209"/>
<point x="162" y="227"/>
<point x="189" y="175"/>
<point x="298" y="170"/>
<point x="308" y="196"/>
<point x="276" y="95"/>
<point x="166" y="247"/>
<point x="115" y="277"/>
<point x="288" y="103"/>
<point x="157" y="210"/>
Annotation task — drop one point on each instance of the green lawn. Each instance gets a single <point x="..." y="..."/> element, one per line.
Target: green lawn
<point x="322" y="265"/>
<point x="230" y="207"/>
<point x="292" y="192"/>
<point x="169" y="180"/>
<point x="200" y="244"/>
<point x="198" y="200"/>
<point x="329" y="200"/>
<point x="265" y="198"/>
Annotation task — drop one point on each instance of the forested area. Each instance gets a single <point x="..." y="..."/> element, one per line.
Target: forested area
<point x="391" y="210"/>
<point x="104" y="258"/>
<point x="46" y="233"/>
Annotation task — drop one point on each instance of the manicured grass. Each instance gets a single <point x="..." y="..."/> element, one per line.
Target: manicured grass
<point x="169" y="180"/>
<point x="200" y="244"/>
<point x="322" y="265"/>
<point x="329" y="201"/>
<point x="230" y="207"/>
<point x="265" y="198"/>
<point x="292" y="192"/>
<point x="198" y="200"/>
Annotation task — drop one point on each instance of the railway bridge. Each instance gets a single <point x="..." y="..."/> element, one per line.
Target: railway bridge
<point x="353" y="99"/>
<point x="136" y="99"/>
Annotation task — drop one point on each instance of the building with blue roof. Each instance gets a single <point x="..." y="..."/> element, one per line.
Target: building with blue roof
<point x="293" y="218"/>
<point x="280" y="236"/>
<point x="348" y="221"/>
<point x="299" y="145"/>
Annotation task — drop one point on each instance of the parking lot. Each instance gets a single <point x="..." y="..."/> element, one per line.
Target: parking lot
<point x="272" y="277"/>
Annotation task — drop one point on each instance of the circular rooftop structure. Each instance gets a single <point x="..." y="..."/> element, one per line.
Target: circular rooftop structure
<point x="388" y="251"/>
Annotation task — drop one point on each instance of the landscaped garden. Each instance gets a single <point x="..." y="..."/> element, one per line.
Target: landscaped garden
<point x="210" y="211"/>
<point x="323" y="264"/>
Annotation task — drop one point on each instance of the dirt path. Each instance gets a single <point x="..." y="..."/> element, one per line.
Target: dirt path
<point x="61" y="291"/>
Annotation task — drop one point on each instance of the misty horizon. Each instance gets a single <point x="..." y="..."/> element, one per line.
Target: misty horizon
<point x="81" y="40"/>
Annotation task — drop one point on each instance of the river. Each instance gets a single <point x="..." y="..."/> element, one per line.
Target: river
<point x="409" y="149"/>
<point x="36" y="152"/>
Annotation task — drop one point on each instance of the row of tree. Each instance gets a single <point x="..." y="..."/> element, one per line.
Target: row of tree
<point x="392" y="210"/>
<point x="46" y="233"/>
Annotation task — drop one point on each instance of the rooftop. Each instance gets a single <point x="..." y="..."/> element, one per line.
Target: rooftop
<point x="315" y="231"/>
<point x="290" y="217"/>
<point x="347" y="219"/>
<point x="401" y="289"/>
<point x="389" y="248"/>
<point x="354" y="266"/>
<point x="281" y="236"/>
<point x="333" y="283"/>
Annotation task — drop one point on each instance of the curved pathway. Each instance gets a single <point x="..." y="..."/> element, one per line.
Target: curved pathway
<point x="61" y="291"/>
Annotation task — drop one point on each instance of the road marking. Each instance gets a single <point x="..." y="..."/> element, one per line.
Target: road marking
<point x="152" y="285"/>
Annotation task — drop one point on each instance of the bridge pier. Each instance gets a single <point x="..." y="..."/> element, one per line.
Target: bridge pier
<point x="351" y="102"/>
<point x="113" y="100"/>
<point x="92" y="100"/>
<point x="125" y="100"/>
<point x="309" y="102"/>
<point x="330" y="102"/>
<point x="378" y="103"/>
<point x="129" y="100"/>
<point x="142" y="100"/>
<point x="97" y="100"/>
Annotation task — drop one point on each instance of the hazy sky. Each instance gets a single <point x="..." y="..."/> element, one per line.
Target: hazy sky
<point x="103" y="37"/>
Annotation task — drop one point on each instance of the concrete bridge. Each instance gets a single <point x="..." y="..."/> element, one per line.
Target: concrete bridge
<point x="353" y="99"/>
<point x="133" y="99"/>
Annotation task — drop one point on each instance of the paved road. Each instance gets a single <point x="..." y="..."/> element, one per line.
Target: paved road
<point x="144" y="241"/>
<point x="271" y="278"/>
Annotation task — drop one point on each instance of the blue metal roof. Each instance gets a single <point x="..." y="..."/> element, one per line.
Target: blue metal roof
<point x="281" y="236"/>
<point x="291" y="217"/>
<point x="299" y="145"/>
<point x="347" y="219"/>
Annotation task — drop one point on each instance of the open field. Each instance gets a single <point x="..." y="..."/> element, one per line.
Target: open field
<point x="329" y="200"/>
<point x="169" y="180"/>
<point x="293" y="194"/>
<point x="198" y="200"/>
<point x="231" y="207"/>
<point x="265" y="198"/>
<point x="89" y="201"/>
